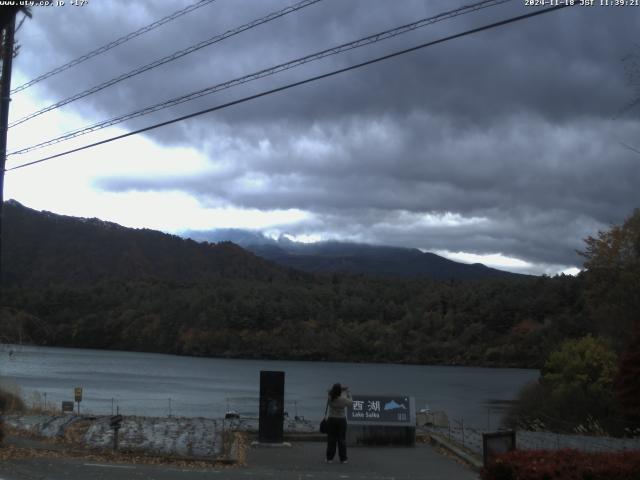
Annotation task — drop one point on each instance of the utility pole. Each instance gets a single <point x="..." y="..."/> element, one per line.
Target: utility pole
<point x="5" y="98"/>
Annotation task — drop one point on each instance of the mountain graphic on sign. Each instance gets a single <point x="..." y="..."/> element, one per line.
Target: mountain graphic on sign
<point x="393" y="405"/>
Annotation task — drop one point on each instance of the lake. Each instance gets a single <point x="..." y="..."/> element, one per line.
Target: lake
<point x="159" y="385"/>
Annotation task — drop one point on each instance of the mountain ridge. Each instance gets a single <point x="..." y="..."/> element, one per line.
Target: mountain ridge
<point x="353" y="258"/>
<point x="44" y="247"/>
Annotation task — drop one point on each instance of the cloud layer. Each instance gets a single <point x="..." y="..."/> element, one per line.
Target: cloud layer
<point x="502" y="142"/>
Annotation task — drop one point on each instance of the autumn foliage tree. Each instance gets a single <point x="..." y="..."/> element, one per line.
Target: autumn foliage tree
<point x="612" y="273"/>
<point x="581" y="381"/>
<point x="613" y="295"/>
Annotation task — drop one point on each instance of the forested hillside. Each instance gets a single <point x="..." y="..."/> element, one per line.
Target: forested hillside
<point x="42" y="248"/>
<point x="87" y="283"/>
<point x="513" y="323"/>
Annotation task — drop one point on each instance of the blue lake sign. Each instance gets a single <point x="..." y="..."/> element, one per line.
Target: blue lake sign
<point x="382" y="410"/>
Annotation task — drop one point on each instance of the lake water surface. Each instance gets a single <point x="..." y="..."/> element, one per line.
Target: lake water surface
<point x="159" y="385"/>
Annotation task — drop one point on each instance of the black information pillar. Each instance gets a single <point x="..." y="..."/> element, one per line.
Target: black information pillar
<point x="271" y="407"/>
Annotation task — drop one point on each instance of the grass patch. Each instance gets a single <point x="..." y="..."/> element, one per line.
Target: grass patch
<point x="10" y="401"/>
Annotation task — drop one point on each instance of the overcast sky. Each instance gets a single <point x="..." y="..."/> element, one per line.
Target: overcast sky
<point x="504" y="147"/>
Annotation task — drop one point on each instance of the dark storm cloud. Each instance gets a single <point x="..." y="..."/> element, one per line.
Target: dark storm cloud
<point x="546" y="65"/>
<point x="511" y="127"/>
<point x="535" y="194"/>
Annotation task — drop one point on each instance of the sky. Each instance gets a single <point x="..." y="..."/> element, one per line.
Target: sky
<point x="506" y="147"/>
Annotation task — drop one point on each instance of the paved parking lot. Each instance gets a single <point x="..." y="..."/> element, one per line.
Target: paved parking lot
<point x="303" y="460"/>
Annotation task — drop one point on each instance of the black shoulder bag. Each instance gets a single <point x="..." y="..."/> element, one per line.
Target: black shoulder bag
<point x="323" y="424"/>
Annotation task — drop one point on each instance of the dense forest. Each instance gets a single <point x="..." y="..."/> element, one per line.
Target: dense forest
<point x="86" y="283"/>
<point x="514" y="323"/>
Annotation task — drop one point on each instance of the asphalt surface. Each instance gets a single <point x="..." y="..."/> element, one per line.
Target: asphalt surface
<point x="303" y="460"/>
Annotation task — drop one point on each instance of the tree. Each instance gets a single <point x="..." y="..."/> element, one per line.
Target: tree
<point x="574" y="391"/>
<point x="613" y="279"/>
<point x="586" y="365"/>
<point x="578" y="378"/>
<point x="627" y="382"/>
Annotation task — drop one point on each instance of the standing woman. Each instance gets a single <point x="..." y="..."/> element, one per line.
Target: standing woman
<point x="338" y="401"/>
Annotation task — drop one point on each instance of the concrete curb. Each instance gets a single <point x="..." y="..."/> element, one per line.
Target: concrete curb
<point x="270" y="445"/>
<point x="305" y="437"/>
<point x="470" y="459"/>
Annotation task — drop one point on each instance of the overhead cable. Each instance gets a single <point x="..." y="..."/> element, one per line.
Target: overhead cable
<point x="169" y="58"/>
<point x="265" y="73"/>
<point x="296" y="84"/>
<point x="115" y="43"/>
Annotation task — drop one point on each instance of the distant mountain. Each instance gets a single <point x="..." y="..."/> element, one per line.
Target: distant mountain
<point x="353" y="258"/>
<point x="41" y="248"/>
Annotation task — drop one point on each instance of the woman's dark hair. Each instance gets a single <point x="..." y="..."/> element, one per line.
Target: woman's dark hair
<point x="335" y="391"/>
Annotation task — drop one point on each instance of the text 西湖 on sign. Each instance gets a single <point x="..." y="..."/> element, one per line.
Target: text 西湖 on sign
<point x="382" y="410"/>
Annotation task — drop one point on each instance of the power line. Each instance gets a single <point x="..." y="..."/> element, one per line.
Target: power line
<point x="296" y="84"/>
<point x="169" y="58"/>
<point x="265" y="73"/>
<point x="629" y="147"/>
<point x="115" y="43"/>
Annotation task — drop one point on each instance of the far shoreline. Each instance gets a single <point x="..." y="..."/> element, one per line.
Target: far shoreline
<point x="271" y="359"/>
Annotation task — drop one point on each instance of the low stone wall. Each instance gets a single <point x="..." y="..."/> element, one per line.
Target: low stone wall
<point x="251" y="424"/>
<point x="44" y="425"/>
<point x="471" y="439"/>
<point x="176" y="436"/>
<point x="193" y="437"/>
<point x="199" y="437"/>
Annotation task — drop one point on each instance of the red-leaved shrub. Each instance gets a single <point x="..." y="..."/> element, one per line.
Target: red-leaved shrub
<point x="563" y="464"/>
